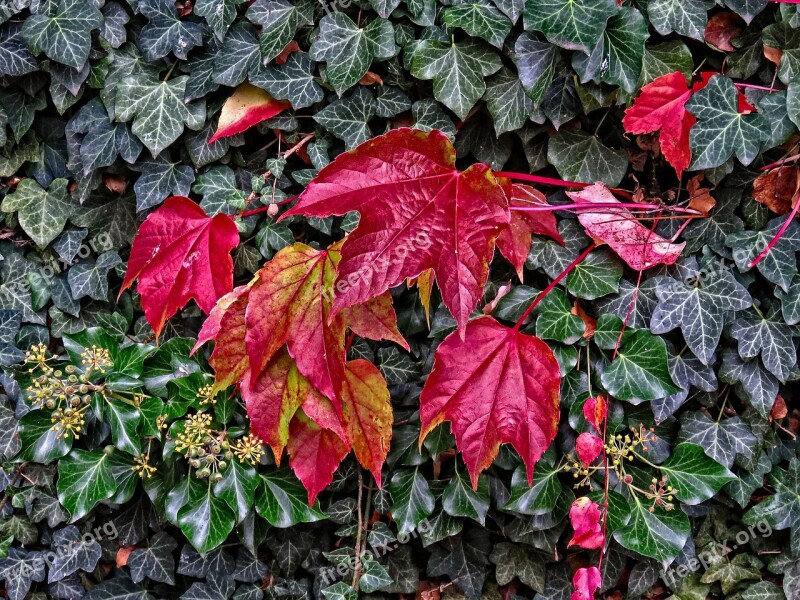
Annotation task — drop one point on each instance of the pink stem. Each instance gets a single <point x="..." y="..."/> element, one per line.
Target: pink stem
<point x="261" y="209"/>
<point x="554" y="182"/>
<point x="778" y="235"/>
<point x="553" y="284"/>
<point x="785" y="1"/>
<point x="752" y="86"/>
<point x="591" y="206"/>
<point x="781" y="162"/>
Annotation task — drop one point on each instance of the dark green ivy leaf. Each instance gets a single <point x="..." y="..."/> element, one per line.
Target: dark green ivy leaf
<point x="695" y="476"/>
<point x="63" y="31"/>
<point x="570" y="24"/>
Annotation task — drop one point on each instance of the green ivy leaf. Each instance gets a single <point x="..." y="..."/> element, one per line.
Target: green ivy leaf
<point x="84" y="479"/>
<point x="165" y="32"/>
<point x="348" y="50"/>
<point x="618" y="57"/>
<point x="457" y="69"/>
<point x="539" y="498"/>
<point x="570" y="24"/>
<point x="595" y="276"/>
<point x="769" y="338"/>
<point x="460" y="500"/>
<point x="747" y="9"/>
<point x="42" y="213"/>
<point x="507" y="101"/>
<point x="699" y="310"/>
<point x="660" y="534"/>
<point x="154" y="562"/>
<point x="206" y="519"/>
<point x="640" y="371"/>
<point x="685" y="17"/>
<point x="479" y="19"/>
<point x="63" y="31"/>
<point x="779" y="265"/>
<point x="292" y="81"/>
<point x="579" y="156"/>
<point x="39" y="442"/>
<point x="219" y="14"/>
<point x="238" y="488"/>
<point x="695" y="476"/>
<point x="347" y="118"/>
<point x="731" y="573"/>
<point x="283" y="502"/>
<point x="279" y="20"/>
<point x="412" y="500"/>
<point x="536" y="62"/>
<point x="757" y="385"/>
<point x="721" y="131"/>
<point x="722" y="440"/>
<point x="556" y="321"/>
<point x="517" y="561"/>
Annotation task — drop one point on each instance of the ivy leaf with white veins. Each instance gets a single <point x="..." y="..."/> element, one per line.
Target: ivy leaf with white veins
<point x="157" y="108"/>
<point x="348" y="118"/>
<point x="536" y="62"/>
<point x="695" y="476"/>
<point x="660" y="534"/>
<point x="91" y="278"/>
<point x="84" y="479"/>
<point x="412" y="500"/>
<point x="507" y="101"/>
<point x="63" y="31"/>
<point x="239" y="56"/>
<point x="570" y="24"/>
<point x="479" y="18"/>
<point x="640" y="372"/>
<point x="722" y="440"/>
<point x="165" y="32"/>
<point x="348" y="50"/>
<point x="72" y="552"/>
<point x="617" y="59"/>
<point x="790" y="301"/>
<point x="457" y="69"/>
<point x="782" y="509"/>
<point x="159" y="180"/>
<point x="756" y="385"/>
<point x="685" y="17"/>
<point x="460" y="500"/>
<point x="15" y="58"/>
<point x="579" y="156"/>
<point x="700" y="310"/>
<point x="279" y="20"/>
<point x="721" y="130"/>
<point x="595" y="276"/>
<point x="154" y="561"/>
<point x="769" y="337"/>
<point x="42" y="213"/>
<point x="219" y="14"/>
<point x="747" y="9"/>
<point x="292" y="81"/>
<point x="780" y="265"/>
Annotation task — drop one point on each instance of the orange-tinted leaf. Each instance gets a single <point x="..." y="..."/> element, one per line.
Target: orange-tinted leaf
<point x="589" y="322"/>
<point x="247" y="106"/>
<point x="595" y="410"/>
<point x="776" y="189"/>
<point x="502" y="291"/>
<point x="584" y="515"/>
<point x="496" y="386"/>
<point x="178" y="254"/>
<point x="291" y="47"/>
<point x="636" y="244"/>
<point x="418" y="212"/>
<point x="424" y="285"/>
<point x="225" y="325"/>
<point x="314" y="454"/>
<point x="375" y="319"/>
<point x="367" y="414"/>
<point x="287" y="307"/>
<point x="700" y="198"/>
<point x="514" y="242"/>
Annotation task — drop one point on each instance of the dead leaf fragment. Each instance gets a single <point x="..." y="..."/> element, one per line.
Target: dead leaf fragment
<point x="722" y="28"/>
<point x="776" y="189"/>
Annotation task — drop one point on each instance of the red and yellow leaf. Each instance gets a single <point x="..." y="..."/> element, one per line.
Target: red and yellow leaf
<point x="418" y="212"/>
<point x="179" y="254"/>
<point x="636" y="244"/>
<point x="367" y="414"/>
<point x="496" y="386"/>
<point x="375" y="319"/>
<point x="247" y="106"/>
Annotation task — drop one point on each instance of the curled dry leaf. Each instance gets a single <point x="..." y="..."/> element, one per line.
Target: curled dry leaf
<point x="700" y="198"/>
<point x="776" y="189"/>
<point x="722" y="28"/>
<point x="636" y="244"/>
<point x="589" y="322"/>
<point x="247" y="106"/>
<point x="179" y="254"/>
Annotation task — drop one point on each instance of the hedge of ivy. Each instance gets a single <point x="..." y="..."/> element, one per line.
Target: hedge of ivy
<point x="108" y="108"/>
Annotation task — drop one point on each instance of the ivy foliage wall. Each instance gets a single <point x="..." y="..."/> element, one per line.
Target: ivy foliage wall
<point x="127" y="476"/>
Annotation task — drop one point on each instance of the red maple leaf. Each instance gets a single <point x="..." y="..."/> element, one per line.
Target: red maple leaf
<point x="514" y="241"/>
<point x="418" y="212"/>
<point x="247" y="106"/>
<point x="178" y="254"/>
<point x="661" y="106"/>
<point x="636" y="244"/>
<point x="496" y="386"/>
